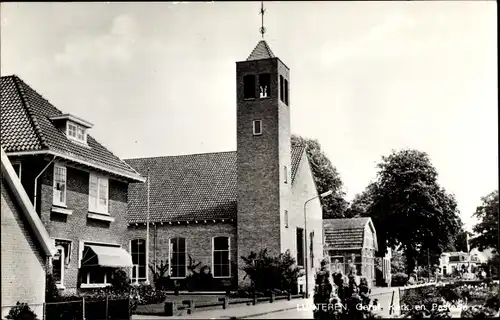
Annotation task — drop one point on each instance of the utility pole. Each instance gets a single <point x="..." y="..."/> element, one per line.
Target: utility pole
<point x="428" y="267"/>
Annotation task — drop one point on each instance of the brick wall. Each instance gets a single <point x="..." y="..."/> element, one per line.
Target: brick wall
<point x="78" y="227"/>
<point x="262" y="194"/>
<point x="198" y="241"/>
<point x="23" y="263"/>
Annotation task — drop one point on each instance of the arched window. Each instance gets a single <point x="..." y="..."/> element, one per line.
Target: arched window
<point x="178" y="258"/>
<point x="138" y="253"/>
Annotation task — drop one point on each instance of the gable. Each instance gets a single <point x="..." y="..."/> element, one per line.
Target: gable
<point x="26" y="128"/>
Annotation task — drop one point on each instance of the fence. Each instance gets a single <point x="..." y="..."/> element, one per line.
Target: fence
<point x="84" y="309"/>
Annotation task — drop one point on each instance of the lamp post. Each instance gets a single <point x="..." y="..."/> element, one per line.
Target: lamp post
<point x="324" y="194"/>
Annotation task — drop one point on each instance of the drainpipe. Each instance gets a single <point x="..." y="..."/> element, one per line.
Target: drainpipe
<point x="36" y="181"/>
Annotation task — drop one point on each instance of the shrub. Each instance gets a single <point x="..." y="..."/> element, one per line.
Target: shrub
<point x="120" y="280"/>
<point x="51" y="291"/>
<point x="160" y="274"/>
<point x="146" y="294"/>
<point x="268" y="272"/>
<point x="399" y="279"/>
<point x="21" y="311"/>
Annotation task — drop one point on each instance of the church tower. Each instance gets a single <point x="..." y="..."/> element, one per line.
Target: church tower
<point x="263" y="152"/>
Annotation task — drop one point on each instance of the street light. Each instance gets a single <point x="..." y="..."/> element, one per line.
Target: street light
<point x="324" y="194"/>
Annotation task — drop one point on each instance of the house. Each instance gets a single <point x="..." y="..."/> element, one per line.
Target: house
<point x="452" y="262"/>
<point x="217" y="207"/>
<point x="78" y="187"/>
<point x="353" y="241"/>
<point x="26" y="246"/>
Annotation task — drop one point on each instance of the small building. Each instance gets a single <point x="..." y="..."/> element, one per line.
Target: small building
<point x="452" y="262"/>
<point x="77" y="186"/>
<point x="26" y="246"/>
<point x="351" y="241"/>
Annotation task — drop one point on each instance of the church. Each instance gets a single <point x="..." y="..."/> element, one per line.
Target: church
<point x="203" y="212"/>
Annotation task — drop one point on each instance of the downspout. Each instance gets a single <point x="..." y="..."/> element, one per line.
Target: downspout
<point x="36" y="181"/>
<point x="154" y="261"/>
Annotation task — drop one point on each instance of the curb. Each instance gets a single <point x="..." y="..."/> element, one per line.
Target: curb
<point x="259" y="314"/>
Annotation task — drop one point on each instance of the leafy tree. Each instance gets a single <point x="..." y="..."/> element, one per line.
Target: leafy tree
<point x="487" y="228"/>
<point x="459" y="241"/>
<point x="409" y="209"/>
<point x="326" y="178"/>
<point x="361" y="202"/>
<point x="398" y="262"/>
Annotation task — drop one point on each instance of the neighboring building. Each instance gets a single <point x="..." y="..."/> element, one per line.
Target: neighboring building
<point x="217" y="207"/>
<point x="451" y="261"/>
<point x="26" y="246"/>
<point x="79" y="188"/>
<point x="349" y="241"/>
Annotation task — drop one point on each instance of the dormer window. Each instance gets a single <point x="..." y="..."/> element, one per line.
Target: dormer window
<point x="76" y="132"/>
<point x="74" y="127"/>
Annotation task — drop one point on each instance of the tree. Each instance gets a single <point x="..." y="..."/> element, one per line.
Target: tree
<point x="326" y="178"/>
<point x="409" y="209"/>
<point x="487" y="228"/>
<point x="459" y="241"/>
<point x="361" y="203"/>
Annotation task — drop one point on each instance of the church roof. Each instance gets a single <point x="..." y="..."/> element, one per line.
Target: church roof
<point x="189" y="187"/>
<point x="28" y="129"/>
<point x="344" y="234"/>
<point x="261" y="51"/>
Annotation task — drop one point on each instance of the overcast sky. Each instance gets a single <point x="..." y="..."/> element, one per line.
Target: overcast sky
<point x="366" y="77"/>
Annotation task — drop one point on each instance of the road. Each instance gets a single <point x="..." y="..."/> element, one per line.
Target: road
<point x="288" y="314"/>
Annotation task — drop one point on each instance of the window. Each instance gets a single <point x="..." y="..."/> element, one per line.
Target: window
<point x="138" y="253"/>
<point x="178" y="258"/>
<point x="282" y="89"/>
<point x="249" y="87"/>
<point x="98" y="194"/>
<point x="285" y="173"/>
<point x="300" y="247"/>
<point x="92" y="275"/>
<point x="221" y="257"/>
<point x="17" y="168"/>
<point x="286" y="218"/>
<point x="76" y="132"/>
<point x="337" y="264"/>
<point x="257" y="127"/>
<point x="454" y="258"/>
<point x="265" y="85"/>
<point x="286" y="92"/>
<point x="61" y="261"/>
<point x="59" y="194"/>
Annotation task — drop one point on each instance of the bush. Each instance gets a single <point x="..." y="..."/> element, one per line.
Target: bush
<point x="399" y="279"/>
<point x="51" y="291"/>
<point x="21" y="311"/>
<point x="267" y="273"/>
<point x="120" y="280"/>
<point x="146" y="294"/>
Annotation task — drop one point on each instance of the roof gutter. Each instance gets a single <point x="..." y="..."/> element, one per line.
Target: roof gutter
<point x="36" y="181"/>
<point x="24" y="203"/>
<point x="136" y="177"/>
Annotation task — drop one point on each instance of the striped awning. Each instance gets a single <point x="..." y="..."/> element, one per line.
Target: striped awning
<point x="106" y="256"/>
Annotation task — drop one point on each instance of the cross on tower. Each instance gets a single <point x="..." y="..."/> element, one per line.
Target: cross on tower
<point x="262" y="11"/>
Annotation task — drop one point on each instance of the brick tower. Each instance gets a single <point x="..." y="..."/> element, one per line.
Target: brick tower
<point x="263" y="152"/>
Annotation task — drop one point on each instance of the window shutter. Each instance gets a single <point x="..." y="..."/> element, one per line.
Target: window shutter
<point x="93" y="193"/>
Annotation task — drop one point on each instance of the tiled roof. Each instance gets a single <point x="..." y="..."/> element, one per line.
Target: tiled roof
<point x="261" y="51"/>
<point x="344" y="233"/>
<point x="297" y="151"/>
<point x="26" y="127"/>
<point x="188" y="187"/>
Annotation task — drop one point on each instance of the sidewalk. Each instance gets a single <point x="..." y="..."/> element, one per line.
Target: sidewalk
<point x="237" y="311"/>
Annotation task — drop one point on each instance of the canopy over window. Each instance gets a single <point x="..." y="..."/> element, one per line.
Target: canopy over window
<point x="104" y="256"/>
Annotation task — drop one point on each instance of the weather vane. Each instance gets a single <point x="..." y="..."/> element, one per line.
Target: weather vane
<point x="262" y="11"/>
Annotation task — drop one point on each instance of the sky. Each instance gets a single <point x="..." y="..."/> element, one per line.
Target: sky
<point x="158" y="79"/>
